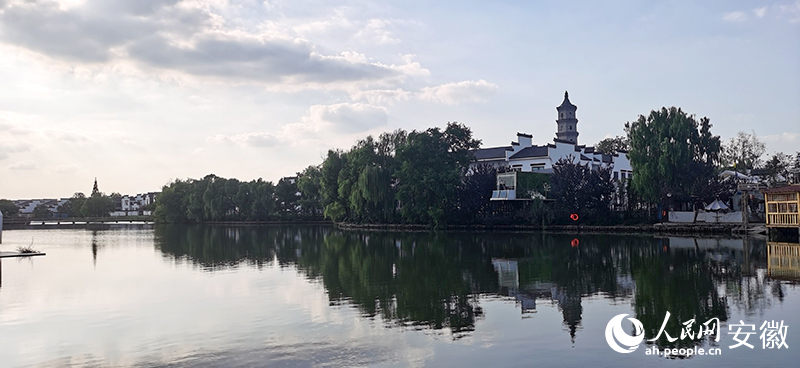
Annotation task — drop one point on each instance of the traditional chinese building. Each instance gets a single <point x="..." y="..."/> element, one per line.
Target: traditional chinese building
<point x="526" y="157"/>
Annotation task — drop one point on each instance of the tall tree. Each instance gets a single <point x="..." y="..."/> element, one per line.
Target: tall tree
<point x="8" y="208"/>
<point x="613" y="145"/>
<point x="579" y="187"/>
<point x="778" y="167"/>
<point x="309" y="184"/>
<point x="743" y="152"/>
<point x="671" y="153"/>
<point x="431" y="164"/>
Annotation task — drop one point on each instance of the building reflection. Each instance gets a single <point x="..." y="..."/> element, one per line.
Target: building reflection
<point x="438" y="281"/>
<point x="783" y="261"/>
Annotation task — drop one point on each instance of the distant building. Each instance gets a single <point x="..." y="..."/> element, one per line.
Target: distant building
<point x="27" y="206"/>
<point x="525" y="158"/>
<point x="523" y="155"/>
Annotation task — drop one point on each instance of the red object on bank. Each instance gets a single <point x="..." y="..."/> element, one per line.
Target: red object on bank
<point x="574" y="217"/>
<point x="575" y="242"/>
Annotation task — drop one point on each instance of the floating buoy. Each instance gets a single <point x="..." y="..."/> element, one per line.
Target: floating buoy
<point x="575" y="242"/>
<point x="574" y="217"/>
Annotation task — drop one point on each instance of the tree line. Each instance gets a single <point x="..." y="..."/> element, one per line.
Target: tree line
<point x="424" y="177"/>
<point x="418" y="177"/>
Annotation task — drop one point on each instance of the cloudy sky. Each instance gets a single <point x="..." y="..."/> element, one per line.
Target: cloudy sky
<point x="140" y="92"/>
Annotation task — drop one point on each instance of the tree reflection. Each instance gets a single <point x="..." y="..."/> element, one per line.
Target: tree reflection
<point x="435" y="280"/>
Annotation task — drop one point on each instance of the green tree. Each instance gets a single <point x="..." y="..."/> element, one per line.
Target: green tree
<point x="8" y="208"/>
<point x="579" y="187"/>
<point x="743" y="152"/>
<point x="286" y="197"/>
<point x="309" y="183"/>
<point x="430" y="167"/>
<point x="329" y="185"/>
<point x="671" y="153"/>
<point x="613" y="145"/>
<point x="778" y="167"/>
<point x="172" y="202"/>
<point x="41" y="211"/>
<point x="97" y="205"/>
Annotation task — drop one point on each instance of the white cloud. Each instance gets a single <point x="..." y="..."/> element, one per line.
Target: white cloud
<point x="789" y="137"/>
<point x="331" y="124"/>
<point x="189" y="38"/>
<point x="381" y="96"/>
<point x="791" y="11"/>
<point x="24" y="165"/>
<point x="9" y="147"/>
<point x="760" y="12"/>
<point x="460" y="92"/>
<point x="343" y="118"/>
<point x="375" y="32"/>
<point x="248" y="139"/>
<point x="66" y="169"/>
<point x="735" y="17"/>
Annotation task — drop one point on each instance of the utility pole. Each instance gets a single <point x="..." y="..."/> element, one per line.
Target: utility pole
<point x="744" y="210"/>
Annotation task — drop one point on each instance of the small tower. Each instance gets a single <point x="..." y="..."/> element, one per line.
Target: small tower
<point x="567" y="123"/>
<point x="94" y="189"/>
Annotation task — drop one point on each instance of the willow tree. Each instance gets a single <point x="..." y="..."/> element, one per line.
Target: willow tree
<point x="671" y="153"/>
<point x="431" y="166"/>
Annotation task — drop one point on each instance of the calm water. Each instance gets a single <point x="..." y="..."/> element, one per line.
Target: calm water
<point x="316" y="296"/>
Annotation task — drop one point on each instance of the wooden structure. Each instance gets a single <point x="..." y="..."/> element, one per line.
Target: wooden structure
<point x="782" y="206"/>
<point x="783" y="260"/>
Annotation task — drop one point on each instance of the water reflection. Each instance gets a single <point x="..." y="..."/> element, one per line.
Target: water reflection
<point x="428" y="280"/>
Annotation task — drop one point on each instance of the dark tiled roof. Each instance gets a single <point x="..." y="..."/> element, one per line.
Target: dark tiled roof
<point x="562" y="141"/>
<point x="566" y="102"/>
<point x="584" y="158"/>
<point x="524" y="135"/>
<point x="607" y="158"/>
<point x="533" y="151"/>
<point x="589" y="150"/>
<point x="787" y="189"/>
<point x="490" y="153"/>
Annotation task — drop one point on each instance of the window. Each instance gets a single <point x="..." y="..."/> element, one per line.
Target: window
<point x="782" y="207"/>
<point x="516" y="167"/>
<point x="537" y="167"/>
<point x="570" y="127"/>
<point x="616" y="175"/>
<point x="792" y="207"/>
<point x="772" y="208"/>
<point x="562" y="115"/>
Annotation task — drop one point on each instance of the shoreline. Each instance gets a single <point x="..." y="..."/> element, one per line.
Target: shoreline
<point x="659" y="228"/>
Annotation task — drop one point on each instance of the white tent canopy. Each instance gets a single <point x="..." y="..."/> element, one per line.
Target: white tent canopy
<point x="717" y="205"/>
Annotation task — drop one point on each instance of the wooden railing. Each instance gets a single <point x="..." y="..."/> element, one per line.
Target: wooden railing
<point x="782" y="219"/>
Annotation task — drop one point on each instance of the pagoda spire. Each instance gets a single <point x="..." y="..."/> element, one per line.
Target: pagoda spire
<point x="94" y="189"/>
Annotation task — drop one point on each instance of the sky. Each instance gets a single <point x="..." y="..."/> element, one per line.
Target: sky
<point x="142" y="92"/>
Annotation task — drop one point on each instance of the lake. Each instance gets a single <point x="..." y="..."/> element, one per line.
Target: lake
<point x="287" y="296"/>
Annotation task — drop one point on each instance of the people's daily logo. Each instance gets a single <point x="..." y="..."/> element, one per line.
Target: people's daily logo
<point x="619" y="340"/>
<point x="772" y="336"/>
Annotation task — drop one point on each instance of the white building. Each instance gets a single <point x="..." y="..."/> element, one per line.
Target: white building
<point x="523" y="155"/>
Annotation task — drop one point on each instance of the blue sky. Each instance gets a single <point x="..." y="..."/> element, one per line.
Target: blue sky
<point x="137" y="93"/>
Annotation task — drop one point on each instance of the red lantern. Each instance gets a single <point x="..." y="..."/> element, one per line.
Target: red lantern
<point x="575" y="242"/>
<point x="574" y="217"/>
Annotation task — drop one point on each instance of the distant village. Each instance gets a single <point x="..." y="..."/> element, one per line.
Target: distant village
<point x="124" y="205"/>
